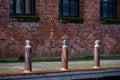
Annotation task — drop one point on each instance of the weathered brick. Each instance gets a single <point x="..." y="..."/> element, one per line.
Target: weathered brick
<point x="81" y="36"/>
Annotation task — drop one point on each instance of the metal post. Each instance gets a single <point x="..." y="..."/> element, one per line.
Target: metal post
<point x="64" y="56"/>
<point x="28" y="57"/>
<point x="96" y="55"/>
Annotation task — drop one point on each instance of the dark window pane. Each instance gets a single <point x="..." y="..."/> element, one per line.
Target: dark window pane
<point x="66" y="7"/>
<point x="105" y="10"/>
<point x="74" y="7"/>
<point x="11" y="6"/>
<point x="20" y="6"/>
<point x="111" y="11"/>
<point x="32" y="6"/>
<point x="105" y="0"/>
<point x="29" y="7"/>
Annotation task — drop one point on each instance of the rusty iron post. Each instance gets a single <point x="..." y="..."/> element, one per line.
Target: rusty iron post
<point x="64" y="56"/>
<point x="28" y="57"/>
<point x="96" y="55"/>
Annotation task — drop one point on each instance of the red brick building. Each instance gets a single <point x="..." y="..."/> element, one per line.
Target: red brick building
<point x="47" y="22"/>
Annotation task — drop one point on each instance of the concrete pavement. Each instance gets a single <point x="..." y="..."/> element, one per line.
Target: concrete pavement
<point x="19" y="67"/>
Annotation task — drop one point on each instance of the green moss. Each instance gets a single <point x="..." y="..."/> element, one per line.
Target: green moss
<point x="21" y="58"/>
<point x="20" y="17"/>
<point x="8" y="61"/>
<point x="110" y="20"/>
<point x="67" y="19"/>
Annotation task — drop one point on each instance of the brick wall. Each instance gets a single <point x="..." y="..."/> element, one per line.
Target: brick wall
<point x="46" y="35"/>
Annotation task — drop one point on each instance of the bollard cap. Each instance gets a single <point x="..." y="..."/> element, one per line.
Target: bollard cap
<point x="64" y="44"/>
<point x="96" y="43"/>
<point x="27" y="44"/>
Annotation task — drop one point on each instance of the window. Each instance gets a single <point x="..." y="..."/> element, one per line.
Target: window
<point x="108" y="8"/>
<point x="22" y="6"/>
<point x="23" y="10"/>
<point x="69" y="8"/>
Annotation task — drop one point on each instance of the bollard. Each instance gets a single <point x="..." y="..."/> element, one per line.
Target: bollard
<point x="28" y="57"/>
<point x="96" y="55"/>
<point x="64" y="56"/>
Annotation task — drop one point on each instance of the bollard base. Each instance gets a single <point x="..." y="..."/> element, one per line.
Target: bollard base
<point x="27" y="71"/>
<point x="96" y="67"/>
<point x="63" y="69"/>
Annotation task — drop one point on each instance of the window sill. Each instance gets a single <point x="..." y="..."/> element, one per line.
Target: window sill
<point x="109" y="21"/>
<point x="69" y="19"/>
<point x="24" y="18"/>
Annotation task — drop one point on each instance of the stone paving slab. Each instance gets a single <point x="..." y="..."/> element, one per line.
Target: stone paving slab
<point x="19" y="67"/>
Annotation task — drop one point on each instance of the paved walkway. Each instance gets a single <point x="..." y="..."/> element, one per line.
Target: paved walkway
<point x="19" y="67"/>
